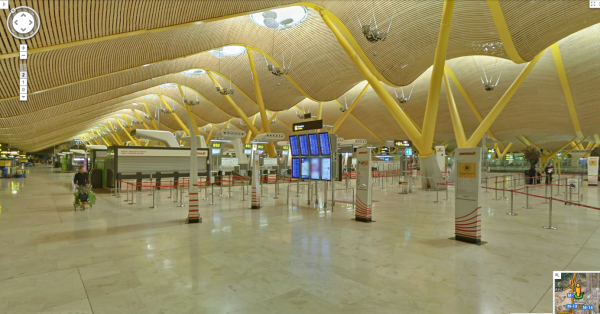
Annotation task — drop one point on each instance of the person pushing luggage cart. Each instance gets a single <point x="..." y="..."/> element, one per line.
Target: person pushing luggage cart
<point x="83" y="194"/>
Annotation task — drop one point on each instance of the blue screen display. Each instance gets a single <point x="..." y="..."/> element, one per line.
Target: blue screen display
<point x="303" y="145"/>
<point x="324" y="140"/>
<point x="305" y="168"/>
<point x="295" y="168"/>
<point x="313" y="141"/>
<point x="294" y="145"/>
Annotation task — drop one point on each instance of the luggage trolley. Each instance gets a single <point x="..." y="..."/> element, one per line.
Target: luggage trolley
<point x="83" y="198"/>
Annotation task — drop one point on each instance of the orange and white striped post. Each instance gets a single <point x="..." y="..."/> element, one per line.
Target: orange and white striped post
<point x="364" y="186"/>
<point x="256" y="181"/>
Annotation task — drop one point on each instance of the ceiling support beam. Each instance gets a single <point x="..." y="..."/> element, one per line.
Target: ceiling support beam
<point x="435" y="84"/>
<point x="102" y="138"/>
<point x="402" y="119"/>
<point x="140" y="118"/>
<point x="259" y="101"/>
<point x="174" y="115"/>
<point x="564" y="82"/>
<point x="237" y="109"/>
<point x="212" y="127"/>
<point x="114" y="135"/>
<point x="339" y="122"/>
<point x="320" y="114"/>
<point x="127" y="133"/>
<point x="466" y="97"/>
<point x="459" y="131"/>
<point x="188" y="110"/>
<point x="250" y="131"/>
<point x="357" y="120"/>
<point x="504" y="32"/>
<point x="150" y="116"/>
<point x="502" y="102"/>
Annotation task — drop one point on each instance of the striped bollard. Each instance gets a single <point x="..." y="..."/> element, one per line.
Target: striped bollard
<point x="255" y="204"/>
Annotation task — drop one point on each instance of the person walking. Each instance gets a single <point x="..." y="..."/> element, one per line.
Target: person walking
<point x="549" y="170"/>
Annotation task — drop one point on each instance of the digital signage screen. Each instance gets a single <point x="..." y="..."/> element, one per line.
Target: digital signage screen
<point x="315" y="168"/>
<point x="216" y="151"/>
<point x="324" y="141"/>
<point x="295" y="168"/>
<point x="303" y="145"/>
<point x="294" y="145"/>
<point x="313" y="141"/>
<point x="326" y="169"/>
<point x="305" y="167"/>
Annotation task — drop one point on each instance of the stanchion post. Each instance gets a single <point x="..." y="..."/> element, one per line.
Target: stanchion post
<point x="118" y="189"/>
<point x="170" y="189"/>
<point x="131" y="200"/>
<point x="180" y="197"/>
<point x="486" y="185"/>
<point x="127" y="194"/>
<point x="546" y="195"/>
<point x="153" y="199"/>
<point x="276" y="187"/>
<point x="212" y="194"/>
<point x="504" y="188"/>
<point x="297" y="187"/>
<point x="549" y="226"/>
<point x="527" y="198"/>
<point x="512" y="203"/>
<point x="437" y="194"/>
<point x="495" y="189"/>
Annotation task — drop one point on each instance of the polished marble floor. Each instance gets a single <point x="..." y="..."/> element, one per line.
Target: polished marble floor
<point x="120" y="258"/>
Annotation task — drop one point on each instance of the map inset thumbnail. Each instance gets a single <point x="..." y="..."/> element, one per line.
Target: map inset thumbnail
<point x="577" y="293"/>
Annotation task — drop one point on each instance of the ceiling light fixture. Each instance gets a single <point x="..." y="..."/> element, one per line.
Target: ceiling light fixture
<point x="280" y="19"/>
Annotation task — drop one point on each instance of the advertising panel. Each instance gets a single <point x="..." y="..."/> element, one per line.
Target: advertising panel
<point x="593" y="170"/>
<point x="305" y="168"/>
<point x="326" y="169"/>
<point x="315" y="168"/>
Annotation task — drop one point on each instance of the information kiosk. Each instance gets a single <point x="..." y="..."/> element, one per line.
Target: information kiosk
<point x="364" y="185"/>
<point x="467" y="221"/>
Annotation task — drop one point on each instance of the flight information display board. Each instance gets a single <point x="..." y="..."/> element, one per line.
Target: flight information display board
<point x="326" y="169"/>
<point x="324" y="141"/>
<point x="303" y="145"/>
<point x="315" y="168"/>
<point x="305" y="168"/>
<point x="313" y="141"/>
<point x="295" y="167"/>
<point x="294" y="145"/>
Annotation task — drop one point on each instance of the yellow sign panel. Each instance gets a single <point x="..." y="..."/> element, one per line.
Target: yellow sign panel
<point x="467" y="170"/>
<point x="593" y="162"/>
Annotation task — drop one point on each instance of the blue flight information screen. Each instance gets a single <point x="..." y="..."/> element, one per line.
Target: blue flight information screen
<point x="294" y="145"/>
<point x="313" y="144"/>
<point x="324" y="140"/>
<point x="303" y="145"/>
<point x="295" y="167"/>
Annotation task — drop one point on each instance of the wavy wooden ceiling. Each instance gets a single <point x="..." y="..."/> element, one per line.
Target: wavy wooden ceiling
<point x="84" y="71"/>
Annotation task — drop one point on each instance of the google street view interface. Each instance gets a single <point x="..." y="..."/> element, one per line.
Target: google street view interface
<point x="576" y="292"/>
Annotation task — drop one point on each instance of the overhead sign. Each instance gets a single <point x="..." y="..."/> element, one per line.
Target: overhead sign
<point x="400" y="143"/>
<point x="308" y="125"/>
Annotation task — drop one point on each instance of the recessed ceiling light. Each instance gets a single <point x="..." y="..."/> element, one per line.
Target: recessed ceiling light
<point x="193" y="73"/>
<point x="282" y="18"/>
<point x="228" y="51"/>
<point x="168" y="85"/>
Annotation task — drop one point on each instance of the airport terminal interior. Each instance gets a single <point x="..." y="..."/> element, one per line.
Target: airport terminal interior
<point x="325" y="156"/>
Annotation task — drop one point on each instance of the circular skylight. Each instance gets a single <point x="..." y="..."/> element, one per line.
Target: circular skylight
<point x="228" y="51"/>
<point x="193" y="73"/>
<point x="168" y="85"/>
<point x="280" y="19"/>
<point x="150" y="96"/>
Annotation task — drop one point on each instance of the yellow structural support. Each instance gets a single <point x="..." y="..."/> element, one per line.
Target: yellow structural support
<point x="564" y="82"/>
<point x="357" y="121"/>
<point x="140" y="118"/>
<point x="188" y="109"/>
<point x="495" y="112"/>
<point x="339" y="122"/>
<point x="399" y="115"/>
<point x="127" y="133"/>
<point x="320" y="114"/>
<point x="237" y="109"/>
<point x="174" y="115"/>
<point x="466" y="97"/>
<point x="522" y="142"/>
<point x="250" y="131"/>
<point x="504" y="32"/>
<point x="150" y="115"/>
<point x="212" y="127"/>
<point x="435" y="84"/>
<point x="102" y="138"/>
<point x="506" y="150"/>
<point x="259" y="101"/>
<point x="459" y="132"/>
<point x="115" y="136"/>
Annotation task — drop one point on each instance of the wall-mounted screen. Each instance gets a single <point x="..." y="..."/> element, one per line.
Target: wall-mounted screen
<point x="295" y="168"/>
<point x="303" y="145"/>
<point x="294" y="145"/>
<point x="324" y="141"/>
<point x="326" y="169"/>
<point x="408" y="152"/>
<point x="313" y="141"/>
<point x="216" y="151"/>
<point x="315" y="168"/>
<point x="248" y="151"/>
<point x="304" y="168"/>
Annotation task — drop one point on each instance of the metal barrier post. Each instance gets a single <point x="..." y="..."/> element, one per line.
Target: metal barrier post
<point x="446" y="181"/>
<point x="512" y="202"/>
<point x="212" y="194"/>
<point x="276" y="187"/>
<point x="486" y="185"/>
<point x="180" y="197"/>
<point x="297" y="187"/>
<point x="496" y="190"/>
<point x="170" y="189"/>
<point x="127" y="194"/>
<point x="243" y="195"/>
<point x="229" y="186"/>
<point x="549" y="226"/>
<point x="177" y="192"/>
<point x="151" y="185"/>
<point x="527" y="198"/>
<point x="118" y="189"/>
<point x="546" y="195"/>
<point x="437" y="194"/>
<point x="205" y="189"/>
<point x="309" y="182"/>
<point x="153" y="199"/>
<point x="131" y="200"/>
<point x="504" y="188"/>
